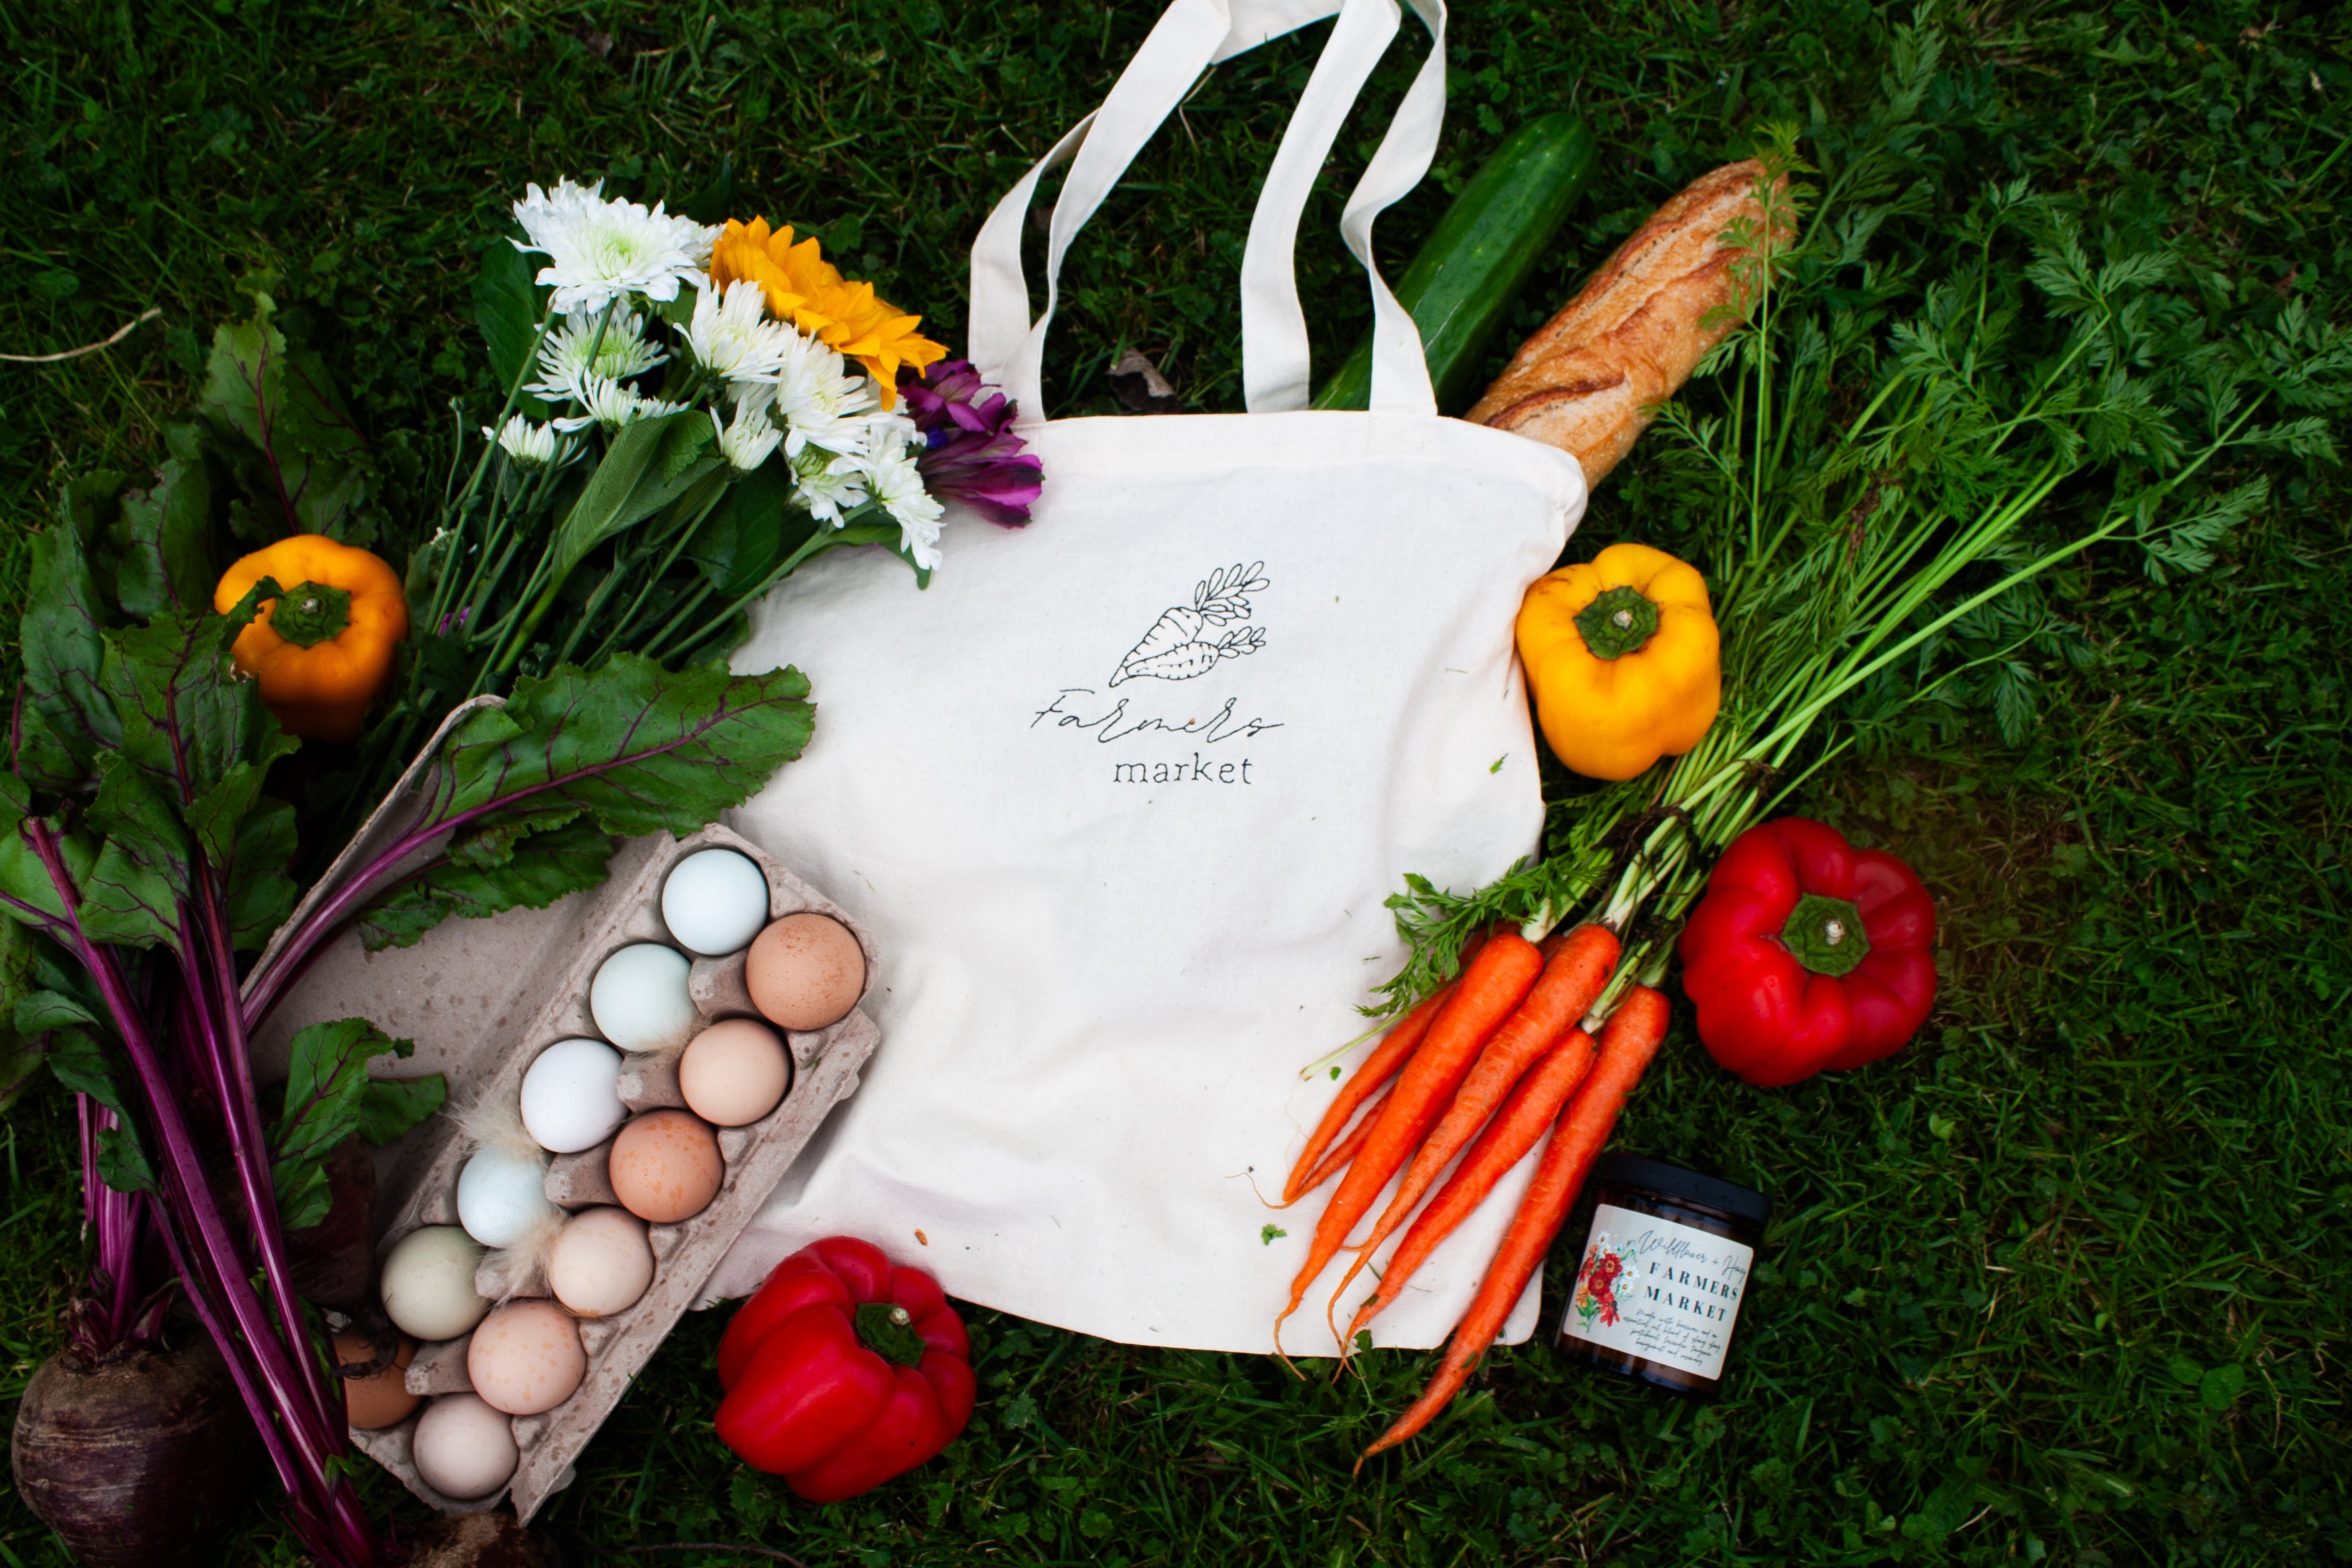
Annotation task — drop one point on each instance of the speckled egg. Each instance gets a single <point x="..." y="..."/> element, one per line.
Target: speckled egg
<point x="526" y="1357"/>
<point x="666" y="1166"/>
<point x="805" y="971"/>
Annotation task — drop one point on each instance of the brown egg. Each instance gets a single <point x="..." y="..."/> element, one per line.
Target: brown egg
<point x="734" y="1072"/>
<point x="526" y="1357"/>
<point x="381" y="1400"/>
<point x="665" y="1167"/>
<point x="805" y="971"/>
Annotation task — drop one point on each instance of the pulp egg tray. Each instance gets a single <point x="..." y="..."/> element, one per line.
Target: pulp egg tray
<point x="482" y="998"/>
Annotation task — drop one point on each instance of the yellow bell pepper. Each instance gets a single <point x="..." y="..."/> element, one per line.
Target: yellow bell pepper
<point x="323" y="650"/>
<point x="1624" y="659"/>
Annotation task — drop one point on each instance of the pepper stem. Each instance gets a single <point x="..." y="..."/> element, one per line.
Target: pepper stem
<point x="311" y="613"/>
<point x="1826" y="934"/>
<point x="1618" y="622"/>
<point x="889" y="1332"/>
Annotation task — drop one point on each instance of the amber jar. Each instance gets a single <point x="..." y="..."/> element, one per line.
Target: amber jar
<point x="1664" y="1272"/>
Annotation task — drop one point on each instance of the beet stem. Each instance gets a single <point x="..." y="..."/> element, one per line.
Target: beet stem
<point x="324" y="1507"/>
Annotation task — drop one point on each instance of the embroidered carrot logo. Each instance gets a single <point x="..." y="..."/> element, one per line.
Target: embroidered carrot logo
<point x="1181" y="645"/>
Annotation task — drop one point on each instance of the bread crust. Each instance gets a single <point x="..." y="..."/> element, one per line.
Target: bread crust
<point x="1593" y="376"/>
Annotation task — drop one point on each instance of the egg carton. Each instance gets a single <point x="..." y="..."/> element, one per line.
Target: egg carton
<point x="482" y="999"/>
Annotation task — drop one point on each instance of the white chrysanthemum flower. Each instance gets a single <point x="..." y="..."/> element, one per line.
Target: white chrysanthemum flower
<point x="599" y="249"/>
<point x="892" y="480"/>
<point x="531" y="446"/>
<point x="829" y="487"/>
<point x="563" y="363"/>
<point x="819" y="402"/>
<point x="888" y="430"/>
<point x="613" y="405"/>
<point x="732" y="337"/>
<point x="746" y="443"/>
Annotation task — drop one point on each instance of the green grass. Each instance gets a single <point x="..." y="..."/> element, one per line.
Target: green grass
<point x="2066" y="1281"/>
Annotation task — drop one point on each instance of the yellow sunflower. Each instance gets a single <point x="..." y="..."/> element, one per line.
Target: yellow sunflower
<point x="809" y="291"/>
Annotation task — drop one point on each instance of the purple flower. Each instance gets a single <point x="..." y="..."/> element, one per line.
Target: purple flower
<point x="971" y="456"/>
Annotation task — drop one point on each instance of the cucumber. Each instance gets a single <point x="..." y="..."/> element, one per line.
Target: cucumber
<point x="1462" y="282"/>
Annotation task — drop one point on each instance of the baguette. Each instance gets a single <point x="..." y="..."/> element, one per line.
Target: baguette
<point x="1594" y="374"/>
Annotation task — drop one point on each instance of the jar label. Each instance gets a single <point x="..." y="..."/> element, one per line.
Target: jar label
<point x="1665" y="1292"/>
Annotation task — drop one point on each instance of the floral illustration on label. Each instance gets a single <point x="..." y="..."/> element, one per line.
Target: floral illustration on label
<point x="1596" y="1281"/>
<point x="1181" y="644"/>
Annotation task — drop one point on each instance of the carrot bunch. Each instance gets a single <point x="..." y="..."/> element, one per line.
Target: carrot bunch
<point x="1488" y="1065"/>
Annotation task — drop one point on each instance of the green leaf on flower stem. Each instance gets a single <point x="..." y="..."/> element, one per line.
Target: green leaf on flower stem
<point x="329" y="1097"/>
<point x="161" y="538"/>
<point x="293" y="445"/>
<point x="754" y="527"/>
<point x="507" y="308"/>
<point x="683" y="440"/>
<point x="68" y="721"/>
<point x="647" y="466"/>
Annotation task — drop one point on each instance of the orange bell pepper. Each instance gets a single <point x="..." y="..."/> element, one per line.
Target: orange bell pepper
<point x="322" y="648"/>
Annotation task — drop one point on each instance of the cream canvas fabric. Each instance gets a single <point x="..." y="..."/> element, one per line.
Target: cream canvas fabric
<point x="1121" y="794"/>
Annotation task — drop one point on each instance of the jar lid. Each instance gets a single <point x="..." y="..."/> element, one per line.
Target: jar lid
<point x="1729" y="1198"/>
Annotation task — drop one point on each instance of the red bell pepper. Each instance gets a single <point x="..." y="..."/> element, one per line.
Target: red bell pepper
<point x="842" y="1371"/>
<point x="1808" y="954"/>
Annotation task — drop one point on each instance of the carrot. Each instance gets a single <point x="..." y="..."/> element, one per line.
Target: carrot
<point x="1493" y="984"/>
<point x="1627" y="1044"/>
<point x="1344" y="1150"/>
<point x="1388" y="1058"/>
<point x="1575" y="969"/>
<point x="1517" y="1128"/>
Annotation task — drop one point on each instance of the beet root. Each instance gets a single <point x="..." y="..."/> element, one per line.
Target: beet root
<point x="334" y="1260"/>
<point x="140" y="1459"/>
<point x="481" y="1541"/>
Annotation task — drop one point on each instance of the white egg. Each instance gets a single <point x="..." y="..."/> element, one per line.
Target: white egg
<point x="715" y="902"/>
<point x="428" y="1283"/>
<point x="464" y="1448"/>
<point x="568" y="1099"/>
<point x="502" y="1196"/>
<point x="639" y="998"/>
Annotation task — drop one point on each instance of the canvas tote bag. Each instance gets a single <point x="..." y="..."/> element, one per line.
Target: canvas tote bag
<point x="1121" y="793"/>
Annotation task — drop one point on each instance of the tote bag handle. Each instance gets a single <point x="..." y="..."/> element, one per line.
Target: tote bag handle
<point x="1191" y="35"/>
